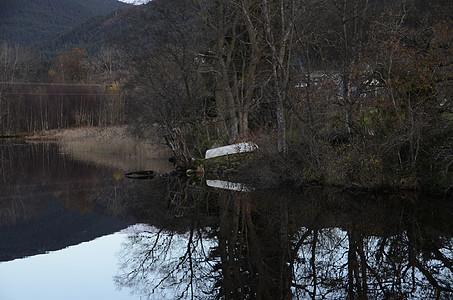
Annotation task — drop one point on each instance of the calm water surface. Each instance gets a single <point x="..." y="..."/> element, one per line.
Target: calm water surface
<point x="79" y="230"/>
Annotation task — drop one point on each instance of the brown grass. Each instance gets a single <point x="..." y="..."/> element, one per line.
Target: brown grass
<point x="113" y="146"/>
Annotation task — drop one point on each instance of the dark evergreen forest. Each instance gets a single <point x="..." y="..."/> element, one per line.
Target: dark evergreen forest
<point x="30" y="22"/>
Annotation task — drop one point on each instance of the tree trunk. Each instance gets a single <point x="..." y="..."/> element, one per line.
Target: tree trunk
<point x="281" y="125"/>
<point x="177" y="144"/>
<point x="244" y="124"/>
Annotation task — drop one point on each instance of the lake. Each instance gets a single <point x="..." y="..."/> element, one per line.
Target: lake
<point x="73" y="228"/>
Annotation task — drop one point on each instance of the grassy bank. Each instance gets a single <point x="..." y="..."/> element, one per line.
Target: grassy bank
<point x="349" y="167"/>
<point x="114" y="146"/>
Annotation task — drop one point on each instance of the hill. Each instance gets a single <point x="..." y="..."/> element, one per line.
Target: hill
<point x="29" y="22"/>
<point x="94" y="32"/>
<point x="130" y="27"/>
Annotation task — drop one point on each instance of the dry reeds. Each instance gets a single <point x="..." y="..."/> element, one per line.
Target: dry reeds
<point x="115" y="147"/>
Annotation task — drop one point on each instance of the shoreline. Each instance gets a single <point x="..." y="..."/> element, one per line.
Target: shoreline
<point x="258" y="171"/>
<point x="113" y="146"/>
<point x="90" y="143"/>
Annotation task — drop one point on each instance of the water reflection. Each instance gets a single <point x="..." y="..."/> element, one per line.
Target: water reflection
<point x="164" y="265"/>
<point x="383" y="248"/>
<point x="83" y="271"/>
<point x="205" y="242"/>
<point x="315" y="244"/>
<point x="49" y="201"/>
<point x="31" y="173"/>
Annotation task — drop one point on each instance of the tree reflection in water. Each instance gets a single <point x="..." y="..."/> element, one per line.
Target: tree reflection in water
<point x="163" y="265"/>
<point x="315" y="244"/>
<point x="171" y="261"/>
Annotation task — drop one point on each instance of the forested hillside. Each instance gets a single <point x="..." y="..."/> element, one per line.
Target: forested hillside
<point x="96" y="32"/>
<point x="29" y="22"/>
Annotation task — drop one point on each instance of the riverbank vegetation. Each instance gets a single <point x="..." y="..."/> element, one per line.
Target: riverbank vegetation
<point x="349" y="93"/>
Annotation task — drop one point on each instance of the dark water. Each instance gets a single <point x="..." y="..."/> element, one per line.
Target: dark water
<point x="195" y="241"/>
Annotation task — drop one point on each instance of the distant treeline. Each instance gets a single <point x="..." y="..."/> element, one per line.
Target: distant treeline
<point x="66" y="96"/>
<point x="31" y="108"/>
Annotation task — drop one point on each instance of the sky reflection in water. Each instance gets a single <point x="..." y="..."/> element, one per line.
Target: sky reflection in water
<point x="84" y="271"/>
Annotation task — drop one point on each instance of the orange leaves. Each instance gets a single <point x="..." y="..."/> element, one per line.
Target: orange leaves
<point x="69" y="66"/>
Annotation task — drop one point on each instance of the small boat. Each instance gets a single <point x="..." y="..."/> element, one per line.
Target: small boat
<point x="227" y="185"/>
<point x="231" y="149"/>
<point x="141" y="175"/>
